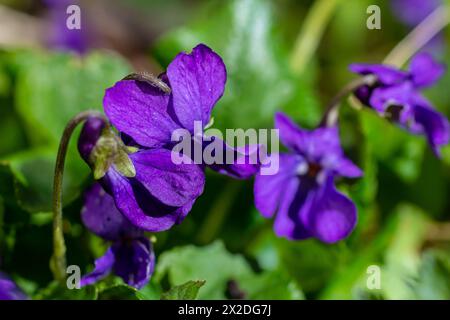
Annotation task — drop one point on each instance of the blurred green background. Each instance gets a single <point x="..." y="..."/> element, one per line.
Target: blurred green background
<point x="403" y="199"/>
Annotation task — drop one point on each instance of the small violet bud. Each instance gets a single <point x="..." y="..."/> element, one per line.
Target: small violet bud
<point x="101" y="148"/>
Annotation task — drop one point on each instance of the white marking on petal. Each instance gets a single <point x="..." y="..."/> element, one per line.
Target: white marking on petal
<point x="321" y="177"/>
<point x="302" y="168"/>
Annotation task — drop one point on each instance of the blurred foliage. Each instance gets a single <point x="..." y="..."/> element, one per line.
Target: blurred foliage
<point x="224" y="248"/>
<point x="259" y="80"/>
<point x="48" y="91"/>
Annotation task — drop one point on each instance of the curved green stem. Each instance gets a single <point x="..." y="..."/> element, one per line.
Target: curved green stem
<point x="311" y="33"/>
<point x="330" y="116"/>
<point x="58" y="259"/>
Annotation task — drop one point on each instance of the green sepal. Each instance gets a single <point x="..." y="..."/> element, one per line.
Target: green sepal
<point x="110" y="150"/>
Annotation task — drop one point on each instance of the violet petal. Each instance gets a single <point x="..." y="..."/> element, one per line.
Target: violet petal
<point x="332" y="216"/>
<point x="269" y="189"/>
<point x="425" y="71"/>
<point x="100" y="216"/>
<point x="140" y="110"/>
<point x="435" y="126"/>
<point x="140" y="206"/>
<point x="197" y="81"/>
<point x="172" y="184"/>
<point x="386" y="75"/>
<point x="134" y="261"/>
<point x="103" y="267"/>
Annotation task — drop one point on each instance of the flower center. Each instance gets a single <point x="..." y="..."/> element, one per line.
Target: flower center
<point x="393" y="112"/>
<point x="314" y="170"/>
<point x="309" y="169"/>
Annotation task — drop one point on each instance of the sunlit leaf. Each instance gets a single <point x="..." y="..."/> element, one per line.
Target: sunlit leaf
<point x="186" y="291"/>
<point x="119" y="292"/>
<point x="185" y="263"/>
<point x="434" y="276"/>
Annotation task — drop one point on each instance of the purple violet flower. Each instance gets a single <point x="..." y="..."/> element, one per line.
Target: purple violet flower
<point x="396" y="96"/>
<point x="146" y="114"/>
<point x="131" y="254"/>
<point x="9" y="290"/>
<point x="302" y="194"/>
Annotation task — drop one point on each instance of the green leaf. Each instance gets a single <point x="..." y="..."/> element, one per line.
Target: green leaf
<point x="51" y="89"/>
<point x="402" y="256"/>
<point x="263" y="248"/>
<point x="434" y="276"/>
<point x="10" y="125"/>
<point x="310" y="262"/>
<point x="398" y="149"/>
<point x="2" y="231"/>
<point x="5" y="81"/>
<point x="54" y="291"/>
<point x="119" y="292"/>
<point x="395" y="250"/>
<point x="272" y="285"/>
<point x="211" y="263"/>
<point x="186" y="291"/>
<point x="219" y="268"/>
<point x="366" y="187"/>
<point x="151" y="291"/>
<point x="259" y="80"/>
<point x="27" y="286"/>
<point x="31" y="173"/>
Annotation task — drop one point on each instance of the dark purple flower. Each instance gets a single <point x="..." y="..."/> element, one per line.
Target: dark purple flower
<point x="146" y="114"/>
<point x="9" y="290"/>
<point x="396" y="96"/>
<point x="302" y="194"/>
<point x="131" y="254"/>
<point x="60" y="36"/>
